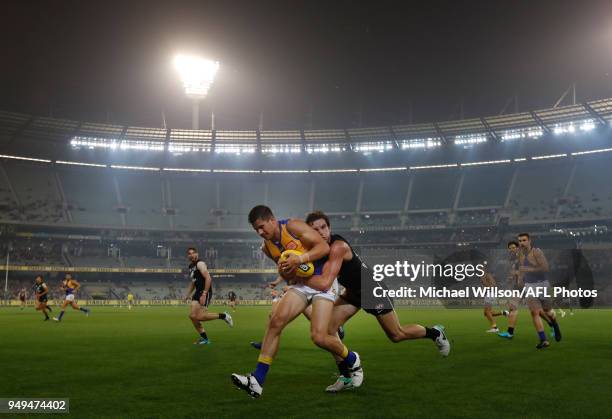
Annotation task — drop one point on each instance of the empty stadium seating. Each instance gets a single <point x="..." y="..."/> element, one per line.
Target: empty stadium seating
<point x="103" y="197"/>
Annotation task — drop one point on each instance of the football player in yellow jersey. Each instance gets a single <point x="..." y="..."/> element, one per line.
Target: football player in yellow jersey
<point x="130" y="300"/>
<point x="293" y="234"/>
<point x="70" y="287"/>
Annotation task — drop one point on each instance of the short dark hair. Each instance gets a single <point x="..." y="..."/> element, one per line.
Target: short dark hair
<point x="39" y="276"/>
<point x="192" y="248"/>
<point x="512" y="242"/>
<point x="317" y="215"/>
<point x="260" y="212"/>
<point x="524" y="235"/>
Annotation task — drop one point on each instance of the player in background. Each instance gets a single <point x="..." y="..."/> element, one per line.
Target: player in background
<point x="293" y="234"/>
<point x="130" y="300"/>
<point x="70" y="287"/>
<point x="515" y="284"/>
<point x="200" y="294"/>
<point x="231" y="296"/>
<point x="488" y="281"/>
<point x="23" y="295"/>
<point x="41" y="292"/>
<point x="348" y="267"/>
<point x="533" y="268"/>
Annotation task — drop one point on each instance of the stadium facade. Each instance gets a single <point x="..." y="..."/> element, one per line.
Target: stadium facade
<point x="79" y="195"/>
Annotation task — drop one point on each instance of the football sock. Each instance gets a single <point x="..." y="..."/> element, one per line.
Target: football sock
<point x="348" y="357"/>
<point x="263" y="365"/>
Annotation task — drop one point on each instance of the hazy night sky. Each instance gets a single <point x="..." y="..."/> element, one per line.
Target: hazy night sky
<point x="111" y="61"/>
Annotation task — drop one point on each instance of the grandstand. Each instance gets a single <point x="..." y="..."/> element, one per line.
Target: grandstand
<point x="91" y="197"/>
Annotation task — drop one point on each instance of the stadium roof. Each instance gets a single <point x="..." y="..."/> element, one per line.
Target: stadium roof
<point x="15" y="126"/>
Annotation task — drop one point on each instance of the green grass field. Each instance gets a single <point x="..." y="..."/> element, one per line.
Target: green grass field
<point x="142" y="363"/>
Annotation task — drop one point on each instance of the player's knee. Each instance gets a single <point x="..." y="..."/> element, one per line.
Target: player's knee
<point x="192" y="316"/>
<point x="395" y="337"/>
<point x="277" y="322"/>
<point x="318" y="338"/>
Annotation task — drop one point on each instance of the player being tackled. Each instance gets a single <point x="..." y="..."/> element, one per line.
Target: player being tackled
<point x="293" y="234"/>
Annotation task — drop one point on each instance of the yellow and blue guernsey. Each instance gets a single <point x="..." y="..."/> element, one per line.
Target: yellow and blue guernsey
<point x="289" y="242"/>
<point x="69" y="287"/>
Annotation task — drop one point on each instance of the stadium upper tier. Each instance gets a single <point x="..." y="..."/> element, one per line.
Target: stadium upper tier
<point x="535" y="190"/>
<point x="19" y="130"/>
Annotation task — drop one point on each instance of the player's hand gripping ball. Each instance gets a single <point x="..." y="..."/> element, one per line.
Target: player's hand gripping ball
<point x="302" y="270"/>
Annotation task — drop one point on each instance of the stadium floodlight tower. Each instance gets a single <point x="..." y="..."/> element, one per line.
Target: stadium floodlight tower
<point x="198" y="75"/>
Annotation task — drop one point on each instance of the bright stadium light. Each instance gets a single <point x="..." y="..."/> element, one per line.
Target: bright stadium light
<point x="197" y="75"/>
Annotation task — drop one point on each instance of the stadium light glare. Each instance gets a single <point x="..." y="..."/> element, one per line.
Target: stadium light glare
<point x="151" y="169"/>
<point x="6" y="156"/>
<point x="548" y="156"/>
<point x="197" y="74"/>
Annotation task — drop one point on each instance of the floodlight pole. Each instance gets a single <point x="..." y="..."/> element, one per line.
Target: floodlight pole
<point x="6" y="273"/>
<point x="195" y="114"/>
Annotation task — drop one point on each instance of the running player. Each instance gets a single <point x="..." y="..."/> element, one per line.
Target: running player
<point x="533" y="268"/>
<point x="489" y="282"/>
<point x="70" y="287"/>
<point x="41" y="290"/>
<point x="347" y="266"/>
<point x="130" y="300"/>
<point x="200" y="293"/>
<point x="281" y="235"/>
<point x="231" y="296"/>
<point x="23" y="294"/>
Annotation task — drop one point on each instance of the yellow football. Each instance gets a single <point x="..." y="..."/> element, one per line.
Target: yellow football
<point x="304" y="270"/>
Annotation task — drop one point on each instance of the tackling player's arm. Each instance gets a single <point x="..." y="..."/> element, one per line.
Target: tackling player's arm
<point x="311" y="240"/>
<point x="331" y="268"/>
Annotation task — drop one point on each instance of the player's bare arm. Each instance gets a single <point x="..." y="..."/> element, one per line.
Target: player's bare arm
<point x="338" y="253"/>
<point x="207" y="279"/>
<point x="310" y="239"/>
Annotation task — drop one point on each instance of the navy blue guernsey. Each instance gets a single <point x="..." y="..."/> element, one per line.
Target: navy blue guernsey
<point x="197" y="278"/>
<point x="533" y="277"/>
<point x="350" y="271"/>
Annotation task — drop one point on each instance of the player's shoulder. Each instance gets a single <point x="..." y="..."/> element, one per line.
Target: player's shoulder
<point x="339" y="246"/>
<point x="201" y="265"/>
<point x="295" y="223"/>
